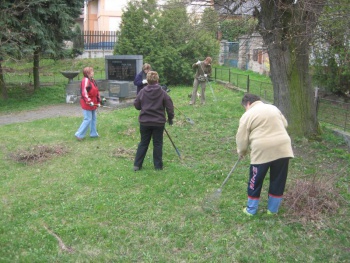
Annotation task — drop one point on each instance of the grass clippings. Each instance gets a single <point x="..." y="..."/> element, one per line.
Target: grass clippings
<point x="37" y="154"/>
<point x="311" y="200"/>
<point x="124" y="153"/>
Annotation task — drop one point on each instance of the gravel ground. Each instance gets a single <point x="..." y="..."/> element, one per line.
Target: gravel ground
<point x="50" y="112"/>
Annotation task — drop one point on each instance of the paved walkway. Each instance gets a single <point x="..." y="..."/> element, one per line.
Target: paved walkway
<point x="51" y="112"/>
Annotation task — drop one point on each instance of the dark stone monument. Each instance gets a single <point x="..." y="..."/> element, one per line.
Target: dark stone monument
<point x="123" y="67"/>
<point x="119" y="83"/>
<point x="120" y="73"/>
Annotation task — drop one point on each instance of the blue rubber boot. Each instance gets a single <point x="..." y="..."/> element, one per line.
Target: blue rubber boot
<point x="273" y="204"/>
<point x="252" y="206"/>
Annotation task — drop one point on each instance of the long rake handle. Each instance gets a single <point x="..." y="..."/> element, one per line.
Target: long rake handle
<point x="211" y="88"/>
<point x="187" y="118"/>
<point x="177" y="151"/>
<point x="229" y="174"/>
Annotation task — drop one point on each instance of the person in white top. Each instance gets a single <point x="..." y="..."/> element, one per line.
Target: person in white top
<point x="262" y="130"/>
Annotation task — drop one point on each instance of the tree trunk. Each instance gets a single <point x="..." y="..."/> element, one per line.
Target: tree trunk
<point x="3" y="89"/>
<point x="287" y="31"/>
<point x="36" y="61"/>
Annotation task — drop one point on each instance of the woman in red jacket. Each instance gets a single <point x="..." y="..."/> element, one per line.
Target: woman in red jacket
<point x="89" y="101"/>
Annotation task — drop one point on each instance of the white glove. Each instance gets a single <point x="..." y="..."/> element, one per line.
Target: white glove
<point x="144" y="81"/>
<point x="198" y="62"/>
<point x="91" y="104"/>
<point x="205" y="75"/>
<point x="99" y="105"/>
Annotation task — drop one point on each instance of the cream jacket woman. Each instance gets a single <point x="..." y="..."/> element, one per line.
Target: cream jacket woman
<point x="262" y="128"/>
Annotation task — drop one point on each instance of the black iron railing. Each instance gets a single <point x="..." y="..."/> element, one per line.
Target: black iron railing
<point x="336" y="113"/>
<point x="99" y="40"/>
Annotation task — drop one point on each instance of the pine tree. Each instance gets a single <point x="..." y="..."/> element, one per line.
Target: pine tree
<point x="12" y="35"/>
<point x="47" y="25"/>
<point x="167" y="38"/>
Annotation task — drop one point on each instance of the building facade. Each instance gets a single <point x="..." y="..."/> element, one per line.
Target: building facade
<point x="252" y="54"/>
<point x="103" y="15"/>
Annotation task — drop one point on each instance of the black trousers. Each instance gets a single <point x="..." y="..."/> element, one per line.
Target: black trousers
<point x="278" y="177"/>
<point x="156" y="134"/>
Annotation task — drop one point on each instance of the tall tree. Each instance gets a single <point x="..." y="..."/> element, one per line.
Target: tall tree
<point x="331" y="48"/>
<point x="48" y="24"/>
<point x="287" y="28"/>
<point x="183" y="42"/>
<point x="35" y="27"/>
<point x="12" y="35"/>
<point x="137" y="35"/>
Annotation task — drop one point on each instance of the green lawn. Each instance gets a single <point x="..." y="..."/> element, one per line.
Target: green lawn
<point x="85" y="204"/>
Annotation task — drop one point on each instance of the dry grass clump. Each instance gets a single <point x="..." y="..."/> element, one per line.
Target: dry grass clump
<point x="311" y="200"/>
<point x="37" y="153"/>
<point x="124" y="153"/>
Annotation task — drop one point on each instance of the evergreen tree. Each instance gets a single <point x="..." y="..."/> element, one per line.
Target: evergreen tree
<point x="137" y="35"/>
<point x="47" y="25"/>
<point x="12" y="35"/>
<point x="210" y="21"/>
<point x="169" y="41"/>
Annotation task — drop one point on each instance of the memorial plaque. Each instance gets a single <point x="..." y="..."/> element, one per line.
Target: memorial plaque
<point x="122" y="69"/>
<point x="118" y="88"/>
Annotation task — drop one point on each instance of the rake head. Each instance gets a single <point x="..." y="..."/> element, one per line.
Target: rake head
<point x="190" y="121"/>
<point x="211" y="202"/>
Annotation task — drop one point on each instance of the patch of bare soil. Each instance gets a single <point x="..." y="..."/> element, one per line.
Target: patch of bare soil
<point x="124" y="153"/>
<point x="37" y="154"/>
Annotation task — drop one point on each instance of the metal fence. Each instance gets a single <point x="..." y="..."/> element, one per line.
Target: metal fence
<point x="336" y="113"/>
<point x="100" y="40"/>
<point x="333" y="112"/>
<point x="47" y="78"/>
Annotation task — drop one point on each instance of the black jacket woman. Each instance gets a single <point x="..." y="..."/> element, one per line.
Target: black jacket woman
<point x="153" y="103"/>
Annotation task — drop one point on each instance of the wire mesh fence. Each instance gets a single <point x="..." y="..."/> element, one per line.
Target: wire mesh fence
<point x="334" y="112"/>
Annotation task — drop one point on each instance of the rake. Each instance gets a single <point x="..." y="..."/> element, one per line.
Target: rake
<point x="212" y="91"/>
<point x="211" y="202"/>
<point x="177" y="150"/>
<point x="211" y="88"/>
<point x="189" y="120"/>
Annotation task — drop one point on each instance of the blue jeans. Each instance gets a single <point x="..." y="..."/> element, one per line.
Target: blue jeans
<point x="90" y="120"/>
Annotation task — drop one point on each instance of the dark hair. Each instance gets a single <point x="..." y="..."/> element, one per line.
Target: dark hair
<point x="249" y="98"/>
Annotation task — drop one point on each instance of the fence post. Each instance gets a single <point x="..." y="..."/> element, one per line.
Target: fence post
<point x="260" y="88"/>
<point x="229" y="75"/>
<point x="316" y="100"/>
<point x="346" y="117"/>
<point x="248" y="84"/>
